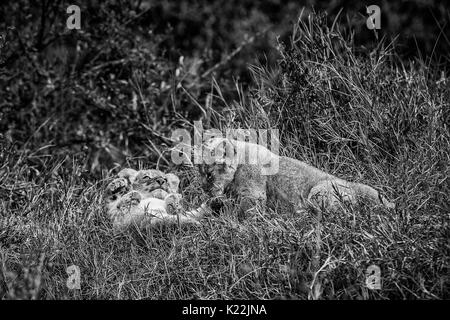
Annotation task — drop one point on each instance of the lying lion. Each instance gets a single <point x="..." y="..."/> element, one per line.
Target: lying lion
<point x="145" y="198"/>
<point x="293" y="182"/>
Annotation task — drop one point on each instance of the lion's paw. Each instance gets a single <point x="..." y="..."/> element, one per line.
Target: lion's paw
<point x="129" y="201"/>
<point x="173" y="203"/>
<point x="117" y="188"/>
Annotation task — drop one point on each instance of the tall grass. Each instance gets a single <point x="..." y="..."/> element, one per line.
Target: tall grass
<point x="360" y="115"/>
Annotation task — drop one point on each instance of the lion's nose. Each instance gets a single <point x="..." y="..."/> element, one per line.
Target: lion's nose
<point x="160" y="180"/>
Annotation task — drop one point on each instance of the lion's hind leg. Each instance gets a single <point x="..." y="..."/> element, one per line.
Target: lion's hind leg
<point x="331" y="194"/>
<point x="368" y="193"/>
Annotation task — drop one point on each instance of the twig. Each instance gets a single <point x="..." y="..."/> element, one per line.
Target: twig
<point x="232" y="54"/>
<point x="315" y="283"/>
<point x="106" y="64"/>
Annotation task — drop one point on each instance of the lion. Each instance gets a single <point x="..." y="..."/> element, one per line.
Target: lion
<point x="144" y="199"/>
<point x="293" y="182"/>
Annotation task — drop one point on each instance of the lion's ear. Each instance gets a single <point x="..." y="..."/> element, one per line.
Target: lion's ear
<point x="173" y="182"/>
<point x="128" y="173"/>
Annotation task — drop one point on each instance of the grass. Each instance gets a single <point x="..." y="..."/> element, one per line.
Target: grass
<point x="365" y="116"/>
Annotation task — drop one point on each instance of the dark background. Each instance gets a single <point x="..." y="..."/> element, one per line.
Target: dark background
<point x="71" y="89"/>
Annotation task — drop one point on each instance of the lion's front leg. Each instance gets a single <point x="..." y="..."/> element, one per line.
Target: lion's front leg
<point x="251" y="199"/>
<point x="251" y="191"/>
<point x="216" y="178"/>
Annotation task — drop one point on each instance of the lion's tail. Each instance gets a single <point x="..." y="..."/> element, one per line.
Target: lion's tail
<point x="367" y="192"/>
